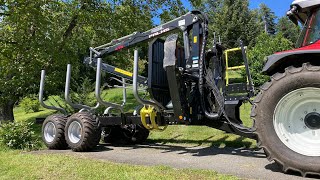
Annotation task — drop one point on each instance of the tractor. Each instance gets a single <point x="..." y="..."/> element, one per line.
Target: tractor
<point x="286" y="110"/>
<point x="187" y="83"/>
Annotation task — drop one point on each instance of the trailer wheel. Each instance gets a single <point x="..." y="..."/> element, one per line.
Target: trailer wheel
<point x="135" y="134"/>
<point x="82" y="132"/>
<point x="287" y="114"/>
<point x="53" y="132"/>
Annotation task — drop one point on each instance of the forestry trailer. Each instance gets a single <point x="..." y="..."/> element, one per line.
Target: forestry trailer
<point x="187" y="84"/>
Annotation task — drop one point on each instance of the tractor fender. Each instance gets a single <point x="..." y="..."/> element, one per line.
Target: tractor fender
<point x="279" y="61"/>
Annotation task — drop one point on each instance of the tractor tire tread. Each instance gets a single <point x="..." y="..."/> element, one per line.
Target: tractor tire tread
<point x="261" y="144"/>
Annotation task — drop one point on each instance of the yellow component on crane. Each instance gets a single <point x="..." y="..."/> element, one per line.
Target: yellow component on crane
<point x="149" y="111"/>
<point x="226" y="52"/>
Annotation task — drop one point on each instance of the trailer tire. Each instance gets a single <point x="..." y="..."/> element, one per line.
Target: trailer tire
<point x="269" y="112"/>
<point x="53" y="132"/>
<point x="135" y="134"/>
<point x="82" y="132"/>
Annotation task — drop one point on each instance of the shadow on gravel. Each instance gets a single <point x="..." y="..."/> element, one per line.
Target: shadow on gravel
<point x="237" y="143"/>
<point x="195" y="150"/>
<point x="102" y="148"/>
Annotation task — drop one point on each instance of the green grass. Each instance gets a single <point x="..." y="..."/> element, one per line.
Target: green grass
<point x="115" y="95"/>
<point x="17" y="165"/>
<point x="235" y="76"/>
<point x="204" y="136"/>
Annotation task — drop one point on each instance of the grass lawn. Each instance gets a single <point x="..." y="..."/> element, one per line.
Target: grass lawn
<point x="17" y="165"/>
<point x="204" y="136"/>
<point x="20" y="165"/>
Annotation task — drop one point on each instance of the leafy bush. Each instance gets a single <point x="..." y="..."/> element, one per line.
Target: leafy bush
<point x="84" y="89"/>
<point x="18" y="135"/>
<point x="30" y="104"/>
<point x="266" y="45"/>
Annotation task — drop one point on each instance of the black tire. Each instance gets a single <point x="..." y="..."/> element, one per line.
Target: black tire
<point x="90" y="132"/>
<point x="263" y="110"/>
<point x="112" y="134"/>
<point x="58" y="140"/>
<point x="135" y="134"/>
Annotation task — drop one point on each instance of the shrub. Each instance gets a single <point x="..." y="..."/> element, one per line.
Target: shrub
<point x="18" y="135"/>
<point x="30" y="105"/>
<point x="266" y="45"/>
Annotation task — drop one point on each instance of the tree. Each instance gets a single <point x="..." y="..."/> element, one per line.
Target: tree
<point x="172" y="10"/>
<point x="232" y="20"/>
<point x="268" y="18"/>
<point x="24" y="32"/>
<point x="44" y="34"/>
<point x="288" y="29"/>
<point x="265" y="46"/>
<point x="49" y="34"/>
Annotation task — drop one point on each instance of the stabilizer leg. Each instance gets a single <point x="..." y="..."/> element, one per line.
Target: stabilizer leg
<point x="169" y="64"/>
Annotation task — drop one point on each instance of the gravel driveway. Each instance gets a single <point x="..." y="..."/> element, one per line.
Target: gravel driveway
<point x="244" y="163"/>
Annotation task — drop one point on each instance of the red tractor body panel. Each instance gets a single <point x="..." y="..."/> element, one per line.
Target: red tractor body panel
<point x="281" y="60"/>
<point x="314" y="46"/>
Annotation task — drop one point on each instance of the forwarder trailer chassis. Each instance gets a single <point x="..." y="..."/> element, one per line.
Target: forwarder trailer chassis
<point x="186" y="86"/>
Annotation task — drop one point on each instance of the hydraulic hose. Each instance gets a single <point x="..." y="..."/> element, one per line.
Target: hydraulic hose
<point x="210" y="82"/>
<point x="209" y="115"/>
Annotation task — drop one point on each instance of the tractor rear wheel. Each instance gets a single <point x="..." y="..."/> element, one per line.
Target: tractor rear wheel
<point x="82" y="132"/>
<point x="53" y="131"/>
<point x="287" y="115"/>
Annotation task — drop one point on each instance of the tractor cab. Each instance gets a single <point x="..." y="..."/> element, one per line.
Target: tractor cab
<point x="307" y="12"/>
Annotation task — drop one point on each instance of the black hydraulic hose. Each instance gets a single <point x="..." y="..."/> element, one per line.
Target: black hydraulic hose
<point x="210" y="81"/>
<point x="209" y="115"/>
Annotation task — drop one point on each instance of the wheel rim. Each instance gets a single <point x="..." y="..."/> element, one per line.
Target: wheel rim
<point x="296" y="121"/>
<point x="74" y="132"/>
<point x="49" y="132"/>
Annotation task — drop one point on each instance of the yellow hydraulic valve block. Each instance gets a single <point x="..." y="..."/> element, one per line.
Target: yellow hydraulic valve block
<point x="149" y="111"/>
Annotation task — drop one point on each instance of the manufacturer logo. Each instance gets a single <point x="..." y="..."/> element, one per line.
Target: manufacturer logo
<point x="159" y="28"/>
<point x="159" y="32"/>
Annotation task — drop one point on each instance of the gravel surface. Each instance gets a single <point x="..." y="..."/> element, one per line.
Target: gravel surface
<point x="243" y="163"/>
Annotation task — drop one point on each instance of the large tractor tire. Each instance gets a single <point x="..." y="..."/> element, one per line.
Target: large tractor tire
<point x="82" y="132"/>
<point x="53" y="132"/>
<point x="287" y="115"/>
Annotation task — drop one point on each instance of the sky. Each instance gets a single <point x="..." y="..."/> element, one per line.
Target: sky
<point x="279" y="7"/>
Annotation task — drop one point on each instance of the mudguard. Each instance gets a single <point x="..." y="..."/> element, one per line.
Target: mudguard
<point x="280" y="61"/>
